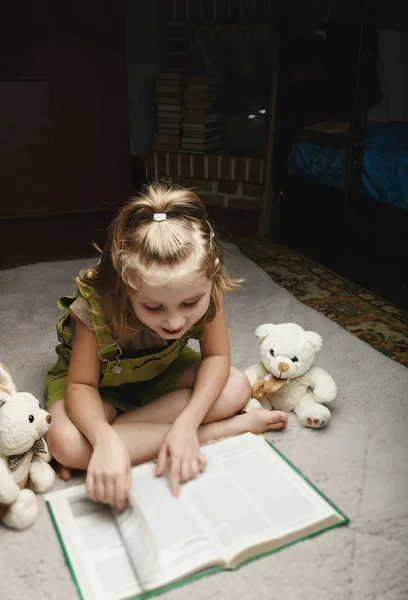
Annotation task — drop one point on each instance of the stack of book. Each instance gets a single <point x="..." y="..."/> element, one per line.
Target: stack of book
<point x="203" y="128"/>
<point x="168" y="115"/>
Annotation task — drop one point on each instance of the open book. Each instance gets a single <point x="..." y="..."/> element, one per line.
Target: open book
<point x="248" y="502"/>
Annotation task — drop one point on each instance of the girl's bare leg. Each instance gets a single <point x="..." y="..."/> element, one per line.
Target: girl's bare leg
<point x="166" y="409"/>
<point x="143" y="440"/>
<point x="67" y="444"/>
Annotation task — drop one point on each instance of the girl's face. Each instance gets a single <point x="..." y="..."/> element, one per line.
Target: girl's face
<point x="172" y="305"/>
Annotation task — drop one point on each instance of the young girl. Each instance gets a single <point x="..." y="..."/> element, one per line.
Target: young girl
<point x="126" y="388"/>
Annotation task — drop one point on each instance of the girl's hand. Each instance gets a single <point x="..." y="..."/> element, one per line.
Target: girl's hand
<point x="186" y="459"/>
<point x="109" y="474"/>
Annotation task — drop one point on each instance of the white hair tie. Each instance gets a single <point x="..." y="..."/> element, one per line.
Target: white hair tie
<point x="159" y="217"/>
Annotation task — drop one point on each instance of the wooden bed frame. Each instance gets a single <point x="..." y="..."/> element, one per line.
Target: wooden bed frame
<point x="321" y="221"/>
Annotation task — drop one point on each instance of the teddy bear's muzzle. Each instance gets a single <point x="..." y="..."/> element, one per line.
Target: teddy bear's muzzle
<point x="48" y="418"/>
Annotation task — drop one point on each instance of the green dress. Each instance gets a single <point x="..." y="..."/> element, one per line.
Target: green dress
<point x="126" y="382"/>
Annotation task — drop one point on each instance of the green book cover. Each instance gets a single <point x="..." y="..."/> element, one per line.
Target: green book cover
<point x="245" y="475"/>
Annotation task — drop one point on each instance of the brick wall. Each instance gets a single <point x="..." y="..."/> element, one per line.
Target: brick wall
<point x="255" y="10"/>
<point x="224" y="181"/>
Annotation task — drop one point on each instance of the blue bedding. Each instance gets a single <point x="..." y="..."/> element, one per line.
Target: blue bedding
<point x="385" y="163"/>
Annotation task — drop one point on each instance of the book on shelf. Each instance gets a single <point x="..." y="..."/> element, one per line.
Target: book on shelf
<point x="200" y="113"/>
<point x="165" y="76"/>
<point x="168" y="123"/>
<point x="168" y="110"/>
<point x="170" y="100"/>
<point x="202" y="136"/>
<point x="167" y="139"/>
<point x="250" y="501"/>
<point x="200" y="148"/>
<point x="202" y="132"/>
<point x="199" y="96"/>
<point x="207" y="105"/>
<point x="173" y="108"/>
<point x="201" y="116"/>
<point x="200" y="88"/>
<point x="168" y="131"/>
<point x="166" y="147"/>
<point x="169" y="116"/>
<point x="203" y="80"/>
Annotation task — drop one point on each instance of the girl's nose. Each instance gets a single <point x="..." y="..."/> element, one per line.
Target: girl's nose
<point x="175" y="322"/>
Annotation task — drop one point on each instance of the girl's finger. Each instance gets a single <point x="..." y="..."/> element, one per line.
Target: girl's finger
<point x="202" y="461"/>
<point x="128" y="481"/>
<point x="109" y="488"/>
<point x="195" y="467"/>
<point x="175" y="476"/>
<point x="185" y="470"/>
<point x="161" y="459"/>
<point x="99" y="489"/>
<point x="121" y="492"/>
<point x="90" y="486"/>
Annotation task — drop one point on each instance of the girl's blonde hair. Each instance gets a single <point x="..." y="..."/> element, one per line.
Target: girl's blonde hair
<point x="137" y="244"/>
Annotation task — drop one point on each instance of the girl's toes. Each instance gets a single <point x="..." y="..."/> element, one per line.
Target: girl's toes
<point x="65" y="473"/>
<point x="279" y="420"/>
<point x="278" y="416"/>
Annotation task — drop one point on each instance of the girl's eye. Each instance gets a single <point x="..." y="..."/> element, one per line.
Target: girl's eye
<point x="153" y="308"/>
<point x="190" y="303"/>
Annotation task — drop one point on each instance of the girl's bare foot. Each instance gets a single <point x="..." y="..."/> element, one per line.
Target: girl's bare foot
<point x="262" y="420"/>
<point x="65" y="473"/>
<point x="62" y="472"/>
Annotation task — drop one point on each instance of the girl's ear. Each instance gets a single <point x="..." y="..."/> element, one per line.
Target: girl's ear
<point x="263" y="330"/>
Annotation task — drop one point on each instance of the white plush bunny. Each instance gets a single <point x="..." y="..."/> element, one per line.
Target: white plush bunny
<point x="24" y="454"/>
<point x="286" y="379"/>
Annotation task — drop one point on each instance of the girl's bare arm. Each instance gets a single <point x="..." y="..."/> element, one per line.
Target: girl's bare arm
<point x="108" y="478"/>
<point x="83" y="401"/>
<point x="214" y="369"/>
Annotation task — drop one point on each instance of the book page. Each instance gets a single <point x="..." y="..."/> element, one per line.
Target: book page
<point x="139" y="541"/>
<point x="250" y="495"/>
<point x="176" y="540"/>
<point x="249" y="500"/>
<point x="94" y="546"/>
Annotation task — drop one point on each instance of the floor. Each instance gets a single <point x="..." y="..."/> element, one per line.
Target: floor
<point x="367" y="244"/>
<point x="367" y="315"/>
<point x="387" y="278"/>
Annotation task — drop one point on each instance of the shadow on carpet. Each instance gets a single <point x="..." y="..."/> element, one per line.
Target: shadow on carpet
<point x="366" y="315"/>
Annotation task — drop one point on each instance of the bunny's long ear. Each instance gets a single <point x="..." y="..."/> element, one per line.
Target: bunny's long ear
<point x="7" y="387"/>
<point x="263" y="330"/>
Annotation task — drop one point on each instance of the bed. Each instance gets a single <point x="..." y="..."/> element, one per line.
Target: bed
<point x="341" y="180"/>
<point x="384" y="174"/>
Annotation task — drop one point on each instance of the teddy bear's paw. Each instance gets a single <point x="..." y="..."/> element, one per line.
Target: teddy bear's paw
<point x="42" y="476"/>
<point x="316" y="416"/>
<point x="23" y="512"/>
<point x="9" y="493"/>
<point x="316" y="422"/>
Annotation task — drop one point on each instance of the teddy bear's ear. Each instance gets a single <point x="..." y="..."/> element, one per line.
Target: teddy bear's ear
<point x="7" y="387"/>
<point x="314" y="340"/>
<point x="263" y="330"/>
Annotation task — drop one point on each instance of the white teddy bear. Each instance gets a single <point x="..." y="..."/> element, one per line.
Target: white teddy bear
<point x="285" y="378"/>
<point x="24" y="454"/>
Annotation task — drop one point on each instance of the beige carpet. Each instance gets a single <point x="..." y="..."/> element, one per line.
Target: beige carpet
<point x="360" y="461"/>
<point x="371" y="318"/>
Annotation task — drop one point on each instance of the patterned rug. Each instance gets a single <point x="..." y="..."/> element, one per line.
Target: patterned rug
<point x="369" y="317"/>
